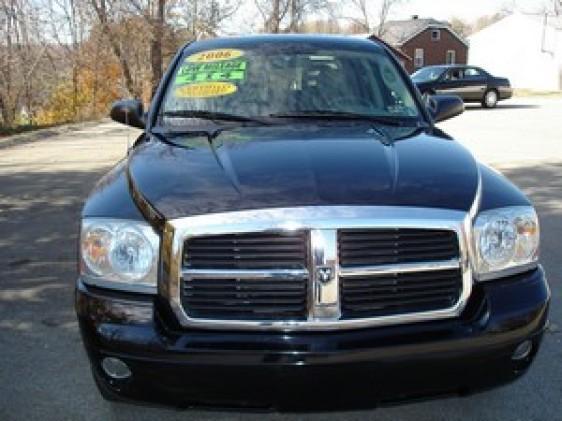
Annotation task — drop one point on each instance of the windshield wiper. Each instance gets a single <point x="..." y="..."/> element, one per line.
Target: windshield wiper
<point x="210" y="115"/>
<point x="345" y="115"/>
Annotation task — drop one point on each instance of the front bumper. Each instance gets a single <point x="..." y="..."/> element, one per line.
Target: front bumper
<point x="312" y="371"/>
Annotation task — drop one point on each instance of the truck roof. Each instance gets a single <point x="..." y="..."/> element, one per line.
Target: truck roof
<point x="328" y="41"/>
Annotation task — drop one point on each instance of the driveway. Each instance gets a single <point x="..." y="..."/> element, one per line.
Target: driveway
<point x="43" y="369"/>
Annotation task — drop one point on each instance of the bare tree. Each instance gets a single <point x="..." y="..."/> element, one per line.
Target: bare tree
<point x="102" y="11"/>
<point x="157" y="17"/>
<point x="487" y="20"/>
<point x="202" y="18"/>
<point x="385" y="7"/>
<point x="86" y="51"/>
<point x="288" y="15"/>
<point x="156" y="44"/>
<point x="273" y="12"/>
<point x="461" y="27"/>
<point x="21" y="51"/>
<point x="299" y="10"/>
<point x="366" y="13"/>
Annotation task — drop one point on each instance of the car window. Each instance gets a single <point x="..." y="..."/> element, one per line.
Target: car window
<point x="472" y="73"/>
<point x="454" y="74"/>
<point x="262" y="81"/>
<point x="427" y="74"/>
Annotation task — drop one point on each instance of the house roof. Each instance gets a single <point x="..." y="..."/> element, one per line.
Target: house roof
<point x="398" y="32"/>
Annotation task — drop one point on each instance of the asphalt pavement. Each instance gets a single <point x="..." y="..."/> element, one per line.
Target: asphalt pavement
<point x="44" y="373"/>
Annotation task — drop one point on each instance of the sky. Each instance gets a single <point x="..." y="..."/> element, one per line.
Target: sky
<point x="466" y="9"/>
<point x="247" y="17"/>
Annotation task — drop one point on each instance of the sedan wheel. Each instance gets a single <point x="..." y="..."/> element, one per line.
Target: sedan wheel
<point x="490" y="99"/>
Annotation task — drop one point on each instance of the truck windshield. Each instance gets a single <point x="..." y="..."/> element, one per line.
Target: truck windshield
<point x="276" y="81"/>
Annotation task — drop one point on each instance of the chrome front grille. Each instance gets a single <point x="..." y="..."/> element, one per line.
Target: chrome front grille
<point x="399" y="293"/>
<point x="239" y="298"/>
<point x="255" y="250"/>
<point x="317" y="268"/>
<point x="246" y="276"/>
<point x="366" y="247"/>
<point x="368" y="291"/>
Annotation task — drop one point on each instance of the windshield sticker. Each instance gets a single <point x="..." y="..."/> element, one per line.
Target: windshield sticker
<point x="205" y="90"/>
<point x="214" y="55"/>
<point x="232" y="70"/>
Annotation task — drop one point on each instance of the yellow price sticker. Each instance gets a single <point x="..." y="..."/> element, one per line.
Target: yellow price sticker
<point x="215" y="55"/>
<point x="205" y="90"/>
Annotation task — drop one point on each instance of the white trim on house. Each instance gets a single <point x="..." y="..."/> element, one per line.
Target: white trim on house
<point x="419" y="58"/>
<point x="453" y="55"/>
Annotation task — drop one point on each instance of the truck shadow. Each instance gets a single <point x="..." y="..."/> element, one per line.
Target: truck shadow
<point x="501" y="106"/>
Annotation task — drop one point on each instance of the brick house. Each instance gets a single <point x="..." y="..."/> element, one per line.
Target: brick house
<point x="425" y="42"/>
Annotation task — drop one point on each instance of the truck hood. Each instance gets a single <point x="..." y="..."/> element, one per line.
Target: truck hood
<point x="302" y="165"/>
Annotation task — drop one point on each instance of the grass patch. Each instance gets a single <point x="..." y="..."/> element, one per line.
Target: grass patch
<point x="24" y="128"/>
<point x="530" y="93"/>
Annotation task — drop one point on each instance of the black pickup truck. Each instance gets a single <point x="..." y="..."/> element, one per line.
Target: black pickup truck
<point x="293" y="232"/>
<point x="471" y="83"/>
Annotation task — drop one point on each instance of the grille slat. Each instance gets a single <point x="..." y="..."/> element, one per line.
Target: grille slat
<point x="250" y="238"/>
<point x="241" y="300"/>
<point x="244" y="255"/>
<point x="383" y="250"/>
<point x="391" y="296"/>
<point x="422" y="278"/>
<point x="393" y="233"/>
<point x="223" y="311"/>
<point x="425" y="286"/>
<point x="400" y="306"/>
<point x="245" y="294"/>
<point x="212" y="248"/>
<point x="392" y="259"/>
<point x="368" y="244"/>
<point x="244" y="285"/>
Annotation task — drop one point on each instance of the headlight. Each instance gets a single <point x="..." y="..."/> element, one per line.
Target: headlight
<point x="119" y="254"/>
<point x="506" y="241"/>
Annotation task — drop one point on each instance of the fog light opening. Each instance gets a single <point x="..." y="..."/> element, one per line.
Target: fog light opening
<point x="115" y="368"/>
<point x="522" y="351"/>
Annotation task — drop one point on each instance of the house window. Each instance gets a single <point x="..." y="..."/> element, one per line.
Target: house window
<point x="451" y="56"/>
<point x="418" y="58"/>
<point x="435" y="35"/>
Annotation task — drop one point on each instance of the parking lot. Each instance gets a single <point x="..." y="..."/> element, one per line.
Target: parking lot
<point x="43" y="369"/>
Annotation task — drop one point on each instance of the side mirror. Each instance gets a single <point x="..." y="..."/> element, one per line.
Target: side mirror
<point x="129" y="112"/>
<point x="444" y="107"/>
